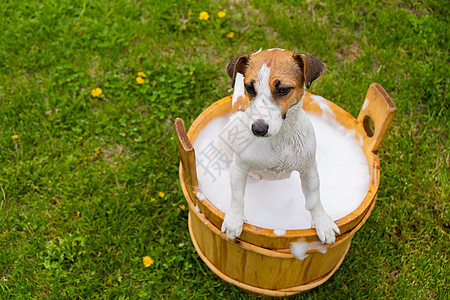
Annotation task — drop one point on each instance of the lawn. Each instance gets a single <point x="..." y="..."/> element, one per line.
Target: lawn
<point x="89" y="159"/>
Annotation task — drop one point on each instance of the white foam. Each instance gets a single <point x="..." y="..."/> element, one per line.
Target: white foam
<point x="366" y="103"/>
<point x="299" y="248"/>
<point x="323" y="104"/>
<point x="260" y="49"/>
<point x="238" y="88"/>
<point x="280" y="205"/>
<point x="275" y="49"/>
<point x="323" y="250"/>
<point x="200" y="196"/>
<point x="279" y="232"/>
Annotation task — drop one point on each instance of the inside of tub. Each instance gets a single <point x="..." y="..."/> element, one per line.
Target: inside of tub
<point x="280" y="204"/>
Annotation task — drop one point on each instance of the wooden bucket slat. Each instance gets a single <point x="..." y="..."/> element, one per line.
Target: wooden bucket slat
<point x="187" y="155"/>
<point x="379" y="107"/>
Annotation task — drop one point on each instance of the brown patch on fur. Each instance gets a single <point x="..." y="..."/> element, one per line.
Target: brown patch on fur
<point x="284" y="72"/>
<point x="287" y="70"/>
<point x="237" y="65"/>
<point x="311" y="67"/>
<point x="240" y="104"/>
<point x="292" y="99"/>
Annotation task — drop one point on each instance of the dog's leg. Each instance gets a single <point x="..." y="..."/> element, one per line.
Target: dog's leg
<point x="234" y="218"/>
<point x="325" y="227"/>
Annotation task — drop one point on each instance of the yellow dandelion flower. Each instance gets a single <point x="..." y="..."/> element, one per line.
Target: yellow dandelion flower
<point x="230" y="35"/>
<point x="221" y="14"/>
<point x="152" y="199"/>
<point x="141" y="74"/>
<point x="15" y="137"/>
<point x="96" y="92"/>
<point x="147" y="260"/>
<point x="161" y="194"/>
<point x="139" y="56"/>
<point x="203" y="16"/>
<point x="182" y="207"/>
<point x="139" y="80"/>
<point x="191" y="73"/>
<point x="218" y="61"/>
<point x="189" y="13"/>
<point x="80" y="138"/>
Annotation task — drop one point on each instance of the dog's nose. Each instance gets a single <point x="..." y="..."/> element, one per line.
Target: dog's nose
<point x="260" y="128"/>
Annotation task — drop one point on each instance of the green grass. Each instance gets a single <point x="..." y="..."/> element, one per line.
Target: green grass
<point x="76" y="209"/>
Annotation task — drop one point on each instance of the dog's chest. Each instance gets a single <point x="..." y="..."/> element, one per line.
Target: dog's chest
<point x="290" y="149"/>
<point x="282" y="166"/>
<point x="274" y="158"/>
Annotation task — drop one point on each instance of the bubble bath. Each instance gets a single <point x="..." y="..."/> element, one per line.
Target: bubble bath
<point x="280" y="204"/>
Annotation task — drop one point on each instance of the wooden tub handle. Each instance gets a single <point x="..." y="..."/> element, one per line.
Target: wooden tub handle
<point x="187" y="155"/>
<point x="378" y="108"/>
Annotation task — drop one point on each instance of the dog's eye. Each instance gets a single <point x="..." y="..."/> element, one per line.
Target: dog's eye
<point x="250" y="89"/>
<point x="282" y="91"/>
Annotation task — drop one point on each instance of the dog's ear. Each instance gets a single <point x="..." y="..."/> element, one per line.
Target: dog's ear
<point x="311" y="67"/>
<point x="237" y="65"/>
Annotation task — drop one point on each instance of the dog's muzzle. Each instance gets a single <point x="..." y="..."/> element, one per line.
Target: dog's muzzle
<point x="260" y="128"/>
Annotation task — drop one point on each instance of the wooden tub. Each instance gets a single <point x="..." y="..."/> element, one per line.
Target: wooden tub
<point x="260" y="261"/>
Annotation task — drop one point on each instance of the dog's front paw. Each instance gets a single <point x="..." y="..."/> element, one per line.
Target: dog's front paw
<point x="325" y="228"/>
<point x="232" y="225"/>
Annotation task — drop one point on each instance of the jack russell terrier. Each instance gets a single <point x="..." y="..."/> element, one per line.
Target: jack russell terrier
<point x="277" y="137"/>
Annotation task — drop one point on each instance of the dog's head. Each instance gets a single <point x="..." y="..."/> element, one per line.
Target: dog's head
<point x="274" y="82"/>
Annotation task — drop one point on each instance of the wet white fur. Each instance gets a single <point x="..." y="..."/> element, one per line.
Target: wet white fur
<point x="238" y="88"/>
<point x="263" y="107"/>
<point x="290" y="146"/>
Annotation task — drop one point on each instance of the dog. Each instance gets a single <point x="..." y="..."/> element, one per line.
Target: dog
<point x="276" y="136"/>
